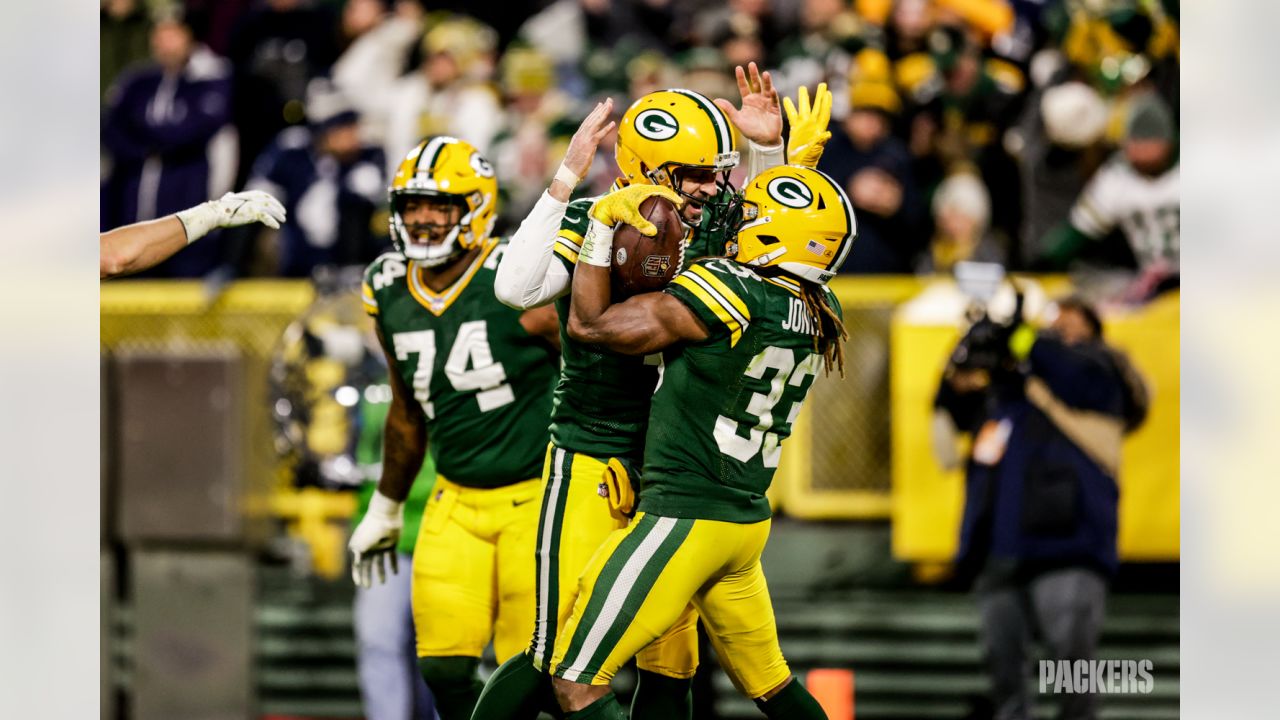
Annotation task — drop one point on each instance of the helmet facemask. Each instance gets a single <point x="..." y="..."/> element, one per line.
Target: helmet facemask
<point x="415" y="240"/>
<point x="672" y="174"/>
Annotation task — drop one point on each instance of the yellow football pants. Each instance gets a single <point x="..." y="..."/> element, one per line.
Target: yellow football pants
<point x="575" y="522"/>
<point x="645" y="576"/>
<point x="472" y="575"/>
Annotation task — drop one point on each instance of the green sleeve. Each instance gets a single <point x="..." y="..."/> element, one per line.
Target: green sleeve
<point x="1064" y="242"/>
<point x="572" y="228"/>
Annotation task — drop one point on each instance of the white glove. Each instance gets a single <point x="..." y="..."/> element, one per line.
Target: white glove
<point x="374" y="539"/>
<point x="232" y="210"/>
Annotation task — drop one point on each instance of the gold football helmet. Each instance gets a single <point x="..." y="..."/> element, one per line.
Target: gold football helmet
<point x="446" y="169"/>
<point x="798" y="220"/>
<point x="669" y="130"/>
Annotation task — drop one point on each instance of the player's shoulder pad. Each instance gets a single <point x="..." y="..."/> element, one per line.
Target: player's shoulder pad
<point x="720" y="291"/>
<point x="575" y="217"/>
<point x="495" y="254"/>
<point x="383" y="272"/>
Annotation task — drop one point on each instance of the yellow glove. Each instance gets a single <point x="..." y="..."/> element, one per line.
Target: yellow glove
<point x="809" y="134"/>
<point x="617" y="483"/>
<point x="623" y="206"/>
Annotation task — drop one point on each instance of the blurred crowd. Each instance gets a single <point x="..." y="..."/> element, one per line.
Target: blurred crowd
<point x="1040" y="134"/>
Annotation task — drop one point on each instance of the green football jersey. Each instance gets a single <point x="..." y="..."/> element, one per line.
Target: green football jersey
<point x="484" y="383"/>
<point x="602" y="399"/>
<point x="725" y="404"/>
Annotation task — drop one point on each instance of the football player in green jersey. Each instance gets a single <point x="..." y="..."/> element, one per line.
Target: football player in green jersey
<point x="474" y="377"/>
<point x="744" y="338"/>
<point x="672" y="141"/>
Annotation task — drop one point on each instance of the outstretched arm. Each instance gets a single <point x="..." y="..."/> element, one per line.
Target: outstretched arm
<point x="526" y="276"/>
<point x="134" y="248"/>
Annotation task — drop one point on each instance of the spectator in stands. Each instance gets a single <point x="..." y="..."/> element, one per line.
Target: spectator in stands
<point x="907" y="27"/>
<point x="1137" y="190"/>
<point x="330" y="183"/>
<point x="527" y="150"/>
<point x="1057" y="143"/>
<point x="875" y="168"/>
<point x="124" y="36"/>
<point x="449" y="94"/>
<point x="961" y="218"/>
<point x="377" y="56"/>
<point x="822" y="48"/>
<point x="960" y="105"/>
<point x="277" y="49"/>
<point x="166" y="133"/>
<point x="1047" y="412"/>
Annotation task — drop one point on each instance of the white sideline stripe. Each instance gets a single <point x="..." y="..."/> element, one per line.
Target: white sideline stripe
<point x="618" y="595"/>
<point x="544" y="554"/>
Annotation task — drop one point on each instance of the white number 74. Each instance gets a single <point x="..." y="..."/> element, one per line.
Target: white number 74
<point x="471" y="348"/>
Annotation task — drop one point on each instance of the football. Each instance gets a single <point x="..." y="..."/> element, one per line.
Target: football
<point x="644" y="264"/>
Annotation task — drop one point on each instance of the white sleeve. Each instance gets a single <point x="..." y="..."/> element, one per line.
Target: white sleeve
<point x="1095" y="212"/>
<point x="761" y="157"/>
<point x="367" y="72"/>
<point x="527" y="277"/>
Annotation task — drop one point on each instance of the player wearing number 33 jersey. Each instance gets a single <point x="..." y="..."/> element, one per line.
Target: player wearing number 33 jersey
<point x="472" y="380"/>
<point x="744" y="338"/>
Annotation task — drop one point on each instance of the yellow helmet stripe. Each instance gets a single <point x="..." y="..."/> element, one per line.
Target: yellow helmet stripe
<point x="724" y="136"/>
<point x="690" y="283"/>
<point x="731" y="299"/>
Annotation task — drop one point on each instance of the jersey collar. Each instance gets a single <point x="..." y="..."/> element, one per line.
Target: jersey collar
<point x="435" y="302"/>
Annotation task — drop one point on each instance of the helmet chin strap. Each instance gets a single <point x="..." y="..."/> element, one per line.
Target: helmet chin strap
<point x="768" y="257"/>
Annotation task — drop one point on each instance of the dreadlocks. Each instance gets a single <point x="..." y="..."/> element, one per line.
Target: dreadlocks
<point x="828" y="340"/>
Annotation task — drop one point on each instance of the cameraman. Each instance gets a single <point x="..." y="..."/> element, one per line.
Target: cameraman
<point x="1047" y="412"/>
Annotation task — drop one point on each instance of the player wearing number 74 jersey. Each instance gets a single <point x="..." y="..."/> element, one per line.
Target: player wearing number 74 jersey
<point x="744" y="337"/>
<point x="475" y="377"/>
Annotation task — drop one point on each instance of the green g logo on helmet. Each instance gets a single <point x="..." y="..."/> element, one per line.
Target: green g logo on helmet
<point x="656" y="124"/>
<point x="790" y="192"/>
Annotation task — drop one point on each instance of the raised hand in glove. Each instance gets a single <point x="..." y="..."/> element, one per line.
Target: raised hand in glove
<point x="809" y="134"/>
<point x="375" y="539"/>
<point x="232" y="210"/>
